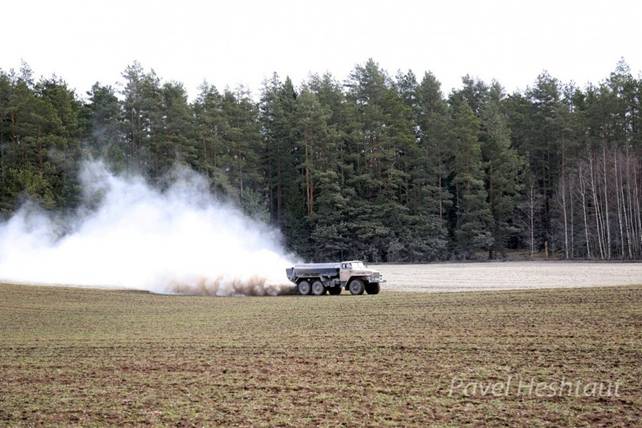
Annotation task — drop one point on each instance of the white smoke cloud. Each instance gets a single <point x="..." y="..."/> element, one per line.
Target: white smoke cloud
<point x="130" y="235"/>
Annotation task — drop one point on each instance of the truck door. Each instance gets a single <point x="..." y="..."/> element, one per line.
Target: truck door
<point x="345" y="272"/>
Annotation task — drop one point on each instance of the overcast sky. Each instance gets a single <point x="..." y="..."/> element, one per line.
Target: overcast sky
<point x="243" y="41"/>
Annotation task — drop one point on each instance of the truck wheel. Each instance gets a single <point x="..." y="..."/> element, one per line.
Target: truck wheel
<point x="335" y="291"/>
<point x="373" y="288"/>
<point x="303" y="287"/>
<point x="356" y="286"/>
<point x="318" y="288"/>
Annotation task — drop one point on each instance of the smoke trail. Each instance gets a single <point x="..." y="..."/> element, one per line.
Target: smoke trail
<point x="129" y="235"/>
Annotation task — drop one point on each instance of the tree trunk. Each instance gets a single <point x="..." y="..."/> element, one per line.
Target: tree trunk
<point x="441" y="202"/>
<point x="14" y="135"/>
<point x="606" y="204"/>
<point x="637" y="206"/>
<point x="309" y="196"/>
<point x="572" y="217"/>
<point x="619" y="202"/>
<point x="279" y="189"/>
<point x="586" y="230"/>
<point x="596" y="207"/>
<point x="239" y="157"/>
<point x="563" y="190"/>
<point x="532" y="218"/>
<point x="627" y="214"/>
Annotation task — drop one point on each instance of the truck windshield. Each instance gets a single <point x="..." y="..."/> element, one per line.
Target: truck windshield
<point x="358" y="266"/>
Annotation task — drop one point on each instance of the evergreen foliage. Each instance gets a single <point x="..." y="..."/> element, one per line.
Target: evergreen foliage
<point x="377" y="167"/>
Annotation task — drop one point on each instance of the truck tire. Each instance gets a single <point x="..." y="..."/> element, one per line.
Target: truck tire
<point x="356" y="286"/>
<point x="318" y="288"/>
<point x="304" y="288"/>
<point x="334" y="291"/>
<point x="373" y="288"/>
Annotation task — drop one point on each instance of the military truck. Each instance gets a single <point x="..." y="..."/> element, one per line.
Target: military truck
<point x="319" y="278"/>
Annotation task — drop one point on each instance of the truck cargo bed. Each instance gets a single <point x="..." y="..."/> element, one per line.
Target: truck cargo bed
<point x="314" y="270"/>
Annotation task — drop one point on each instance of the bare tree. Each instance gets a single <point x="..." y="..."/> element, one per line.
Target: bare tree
<point x="596" y="208"/>
<point x="565" y="216"/>
<point x="586" y="229"/>
<point x="619" y="202"/>
<point x="606" y="203"/>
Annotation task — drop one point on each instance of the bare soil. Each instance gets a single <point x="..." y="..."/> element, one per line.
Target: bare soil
<point x="508" y="275"/>
<point x="96" y="357"/>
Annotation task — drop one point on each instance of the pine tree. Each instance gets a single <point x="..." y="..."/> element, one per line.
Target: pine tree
<point x="472" y="214"/>
<point x="175" y="140"/>
<point x="142" y="106"/>
<point x="103" y="127"/>
<point x="380" y="155"/>
<point x="330" y="222"/>
<point x="208" y="129"/>
<point x="242" y="146"/>
<point x="283" y="160"/>
<point x="542" y="147"/>
<point x="432" y="199"/>
<point x="502" y="167"/>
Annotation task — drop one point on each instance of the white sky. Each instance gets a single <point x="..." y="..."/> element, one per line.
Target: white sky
<point x="244" y="41"/>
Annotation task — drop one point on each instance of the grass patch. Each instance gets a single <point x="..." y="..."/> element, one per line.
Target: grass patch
<point x="86" y="357"/>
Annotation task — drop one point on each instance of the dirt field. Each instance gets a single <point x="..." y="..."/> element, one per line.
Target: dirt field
<point x="95" y="357"/>
<point x="508" y="275"/>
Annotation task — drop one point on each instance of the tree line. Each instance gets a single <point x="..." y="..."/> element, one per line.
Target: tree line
<point x="375" y="167"/>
